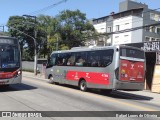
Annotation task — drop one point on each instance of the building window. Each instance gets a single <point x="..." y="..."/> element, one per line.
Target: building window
<point x="126" y="23"/>
<point x="153" y="39"/>
<point x="109" y="29"/>
<point x="116" y="36"/>
<point x="147" y="38"/>
<point x="157" y="17"/>
<point x="152" y="29"/>
<point x="117" y="27"/>
<point x="147" y="29"/>
<point x="126" y="35"/>
<point x="100" y="20"/>
<point x="152" y="16"/>
<point x="158" y="39"/>
<point x="126" y="26"/>
<point x="158" y="30"/>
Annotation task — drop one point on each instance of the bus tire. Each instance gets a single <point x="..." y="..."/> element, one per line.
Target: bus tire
<point x="83" y="85"/>
<point x="51" y="79"/>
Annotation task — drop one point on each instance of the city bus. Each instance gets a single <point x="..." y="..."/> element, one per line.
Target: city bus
<point x="10" y="61"/>
<point x="106" y="68"/>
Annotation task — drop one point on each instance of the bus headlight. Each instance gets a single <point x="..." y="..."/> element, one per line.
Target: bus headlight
<point x="17" y="73"/>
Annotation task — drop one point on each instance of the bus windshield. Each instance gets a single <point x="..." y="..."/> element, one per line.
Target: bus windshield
<point x="9" y="56"/>
<point x="134" y="53"/>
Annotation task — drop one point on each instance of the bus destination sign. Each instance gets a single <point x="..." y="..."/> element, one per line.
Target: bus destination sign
<point x="7" y="41"/>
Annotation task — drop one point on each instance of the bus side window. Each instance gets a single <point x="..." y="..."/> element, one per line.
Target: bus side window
<point x="71" y="61"/>
<point x="107" y="60"/>
<point x="59" y="61"/>
<point x="92" y="61"/>
<point x="100" y="64"/>
<point x="80" y="61"/>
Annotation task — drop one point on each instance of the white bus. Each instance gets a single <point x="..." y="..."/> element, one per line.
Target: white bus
<point x="107" y="68"/>
<point x="10" y="61"/>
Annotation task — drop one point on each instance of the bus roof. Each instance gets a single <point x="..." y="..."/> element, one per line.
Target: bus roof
<point x="84" y="48"/>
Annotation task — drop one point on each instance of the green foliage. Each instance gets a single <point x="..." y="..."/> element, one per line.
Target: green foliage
<point x="68" y="29"/>
<point x="74" y="28"/>
<point x="19" y="26"/>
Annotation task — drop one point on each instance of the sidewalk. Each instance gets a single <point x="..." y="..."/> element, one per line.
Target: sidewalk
<point x="145" y="94"/>
<point x="31" y="75"/>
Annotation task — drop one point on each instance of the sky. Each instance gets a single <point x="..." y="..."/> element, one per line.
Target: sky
<point x="92" y="8"/>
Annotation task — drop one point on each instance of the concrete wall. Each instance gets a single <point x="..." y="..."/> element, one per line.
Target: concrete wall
<point x="130" y="4"/>
<point x="137" y="35"/>
<point x="124" y="23"/>
<point x="29" y="65"/>
<point x="101" y="27"/>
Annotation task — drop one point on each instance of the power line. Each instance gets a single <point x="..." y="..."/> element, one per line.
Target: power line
<point x="122" y="31"/>
<point x="48" y="7"/>
<point x="134" y="14"/>
<point x="128" y="20"/>
<point x="134" y="20"/>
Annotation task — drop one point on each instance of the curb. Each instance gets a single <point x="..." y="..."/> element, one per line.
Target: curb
<point x="42" y="79"/>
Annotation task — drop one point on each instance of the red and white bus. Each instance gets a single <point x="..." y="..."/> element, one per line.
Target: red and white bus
<point x="10" y="61"/>
<point x="107" y="68"/>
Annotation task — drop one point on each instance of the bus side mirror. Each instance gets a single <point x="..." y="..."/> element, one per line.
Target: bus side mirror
<point x="51" y="62"/>
<point x="48" y="65"/>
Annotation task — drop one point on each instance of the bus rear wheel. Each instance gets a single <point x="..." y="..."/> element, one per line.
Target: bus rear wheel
<point x="83" y="85"/>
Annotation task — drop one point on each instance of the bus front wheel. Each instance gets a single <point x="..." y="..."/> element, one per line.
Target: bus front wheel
<point x="83" y="85"/>
<point x="51" y="79"/>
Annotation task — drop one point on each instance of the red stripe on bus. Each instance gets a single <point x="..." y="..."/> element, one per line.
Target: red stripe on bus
<point x="90" y="77"/>
<point x="7" y="75"/>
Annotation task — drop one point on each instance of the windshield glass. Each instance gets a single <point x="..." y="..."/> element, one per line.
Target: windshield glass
<point x="134" y="53"/>
<point x="9" y="56"/>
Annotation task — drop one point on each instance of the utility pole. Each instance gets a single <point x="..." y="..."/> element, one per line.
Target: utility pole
<point x="2" y="28"/>
<point x="35" y="43"/>
<point x="57" y="44"/>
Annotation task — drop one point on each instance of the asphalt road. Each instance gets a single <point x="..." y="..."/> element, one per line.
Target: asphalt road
<point x="38" y="95"/>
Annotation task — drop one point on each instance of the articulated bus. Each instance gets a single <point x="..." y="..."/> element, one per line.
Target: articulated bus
<point x="10" y="61"/>
<point x="106" y="68"/>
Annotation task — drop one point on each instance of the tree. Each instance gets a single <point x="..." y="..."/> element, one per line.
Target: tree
<point x="50" y="25"/>
<point x="68" y="29"/>
<point x="14" y="25"/>
<point x="74" y="27"/>
<point x="21" y="28"/>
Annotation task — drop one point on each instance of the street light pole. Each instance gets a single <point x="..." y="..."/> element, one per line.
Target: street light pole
<point x="2" y="28"/>
<point x="35" y="44"/>
<point x="57" y="45"/>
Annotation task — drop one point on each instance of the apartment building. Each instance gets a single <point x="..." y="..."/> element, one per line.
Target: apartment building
<point x="121" y="26"/>
<point x="136" y="25"/>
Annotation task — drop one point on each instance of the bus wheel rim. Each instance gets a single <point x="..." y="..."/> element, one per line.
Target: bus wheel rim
<point x="83" y="85"/>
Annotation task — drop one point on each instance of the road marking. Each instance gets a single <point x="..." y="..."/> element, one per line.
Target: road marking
<point x="97" y="96"/>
